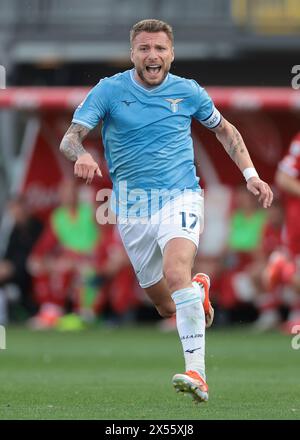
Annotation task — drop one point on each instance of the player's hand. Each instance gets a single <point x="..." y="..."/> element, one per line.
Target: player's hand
<point x="260" y="188"/>
<point x="86" y="168"/>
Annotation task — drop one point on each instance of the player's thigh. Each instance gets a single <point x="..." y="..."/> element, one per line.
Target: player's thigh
<point x="179" y="232"/>
<point x="182" y="217"/>
<point x="143" y="251"/>
<point x="179" y="254"/>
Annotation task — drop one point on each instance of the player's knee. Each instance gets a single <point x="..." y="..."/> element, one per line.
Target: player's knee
<point x="176" y="278"/>
<point x="166" y="310"/>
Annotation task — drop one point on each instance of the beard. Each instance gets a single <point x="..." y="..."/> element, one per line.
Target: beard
<point x="142" y="73"/>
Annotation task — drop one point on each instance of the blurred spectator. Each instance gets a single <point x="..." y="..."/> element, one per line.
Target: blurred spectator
<point x="213" y="242"/>
<point x="246" y="225"/>
<point x="13" y="271"/>
<point x="282" y="274"/>
<point x="80" y="266"/>
<point x="264" y="300"/>
<point x="245" y="230"/>
<point x="116" y="275"/>
<point x="63" y="261"/>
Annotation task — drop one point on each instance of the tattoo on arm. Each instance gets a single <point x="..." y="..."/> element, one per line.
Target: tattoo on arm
<point x="235" y="146"/>
<point x="233" y="143"/>
<point x="71" y="144"/>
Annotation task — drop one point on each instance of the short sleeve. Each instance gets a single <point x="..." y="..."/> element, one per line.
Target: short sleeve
<point x="206" y="113"/>
<point x="93" y="108"/>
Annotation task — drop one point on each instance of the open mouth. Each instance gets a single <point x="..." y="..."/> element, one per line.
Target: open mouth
<point x="154" y="69"/>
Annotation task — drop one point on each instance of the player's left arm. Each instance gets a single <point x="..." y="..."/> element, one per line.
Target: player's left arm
<point x="288" y="171"/>
<point x="234" y="145"/>
<point x="287" y="183"/>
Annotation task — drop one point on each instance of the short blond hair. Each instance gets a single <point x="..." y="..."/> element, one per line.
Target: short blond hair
<point x="151" y="25"/>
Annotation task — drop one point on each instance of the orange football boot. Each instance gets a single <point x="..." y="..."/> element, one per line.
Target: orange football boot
<point x="191" y="383"/>
<point x="203" y="280"/>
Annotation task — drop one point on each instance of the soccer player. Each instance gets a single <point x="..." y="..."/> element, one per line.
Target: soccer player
<point x="146" y="114"/>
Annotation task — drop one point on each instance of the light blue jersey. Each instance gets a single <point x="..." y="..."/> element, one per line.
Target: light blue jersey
<point x="147" y="132"/>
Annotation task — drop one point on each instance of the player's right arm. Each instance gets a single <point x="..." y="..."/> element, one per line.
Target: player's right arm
<point x="87" y="115"/>
<point x="71" y="146"/>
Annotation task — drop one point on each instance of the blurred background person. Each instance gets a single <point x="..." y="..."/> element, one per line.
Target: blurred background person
<point x="282" y="275"/>
<point x="80" y="269"/>
<point x="63" y="260"/>
<point x="245" y="228"/>
<point x="15" y="280"/>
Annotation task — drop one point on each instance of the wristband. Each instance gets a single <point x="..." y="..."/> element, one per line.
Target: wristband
<point x="249" y="172"/>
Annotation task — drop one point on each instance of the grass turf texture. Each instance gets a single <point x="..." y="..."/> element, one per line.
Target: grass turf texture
<point x="112" y="374"/>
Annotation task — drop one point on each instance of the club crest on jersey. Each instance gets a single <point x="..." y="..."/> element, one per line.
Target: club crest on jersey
<point x="174" y="104"/>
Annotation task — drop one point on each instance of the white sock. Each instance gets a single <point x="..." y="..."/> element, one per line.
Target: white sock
<point x="200" y="290"/>
<point x="190" y="321"/>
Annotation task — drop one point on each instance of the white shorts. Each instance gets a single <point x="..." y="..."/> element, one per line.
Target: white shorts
<point x="145" y="238"/>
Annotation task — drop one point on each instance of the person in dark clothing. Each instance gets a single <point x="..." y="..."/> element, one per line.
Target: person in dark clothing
<point x="25" y="232"/>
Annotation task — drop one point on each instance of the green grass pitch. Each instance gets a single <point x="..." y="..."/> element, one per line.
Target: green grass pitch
<point x="125" y="373"/>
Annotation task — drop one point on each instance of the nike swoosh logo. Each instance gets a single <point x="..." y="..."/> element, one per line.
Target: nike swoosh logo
<point x="192" y="351"/>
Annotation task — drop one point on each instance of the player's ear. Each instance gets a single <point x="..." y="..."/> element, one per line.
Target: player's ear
<point x="173" y="55"/>
<point x="131" y="54"/>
